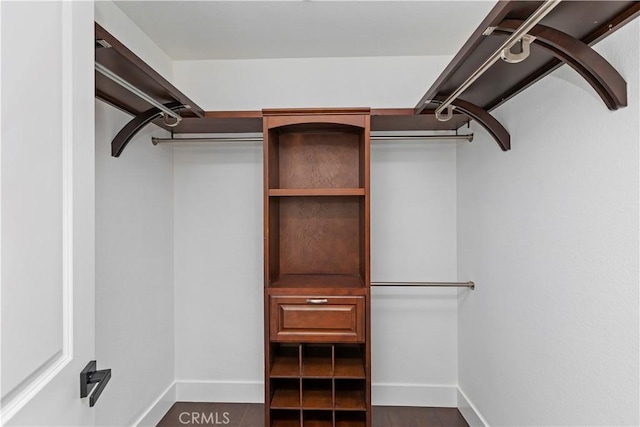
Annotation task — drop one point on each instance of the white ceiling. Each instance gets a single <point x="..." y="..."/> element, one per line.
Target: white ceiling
<point x="303" y="29"/>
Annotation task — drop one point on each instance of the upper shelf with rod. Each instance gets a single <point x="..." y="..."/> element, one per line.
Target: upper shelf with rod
<point x="128" y="83"/>
<point x="532" y="38"/>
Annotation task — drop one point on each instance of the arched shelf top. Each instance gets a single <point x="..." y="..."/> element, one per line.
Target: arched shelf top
<point x="317" y="118"/>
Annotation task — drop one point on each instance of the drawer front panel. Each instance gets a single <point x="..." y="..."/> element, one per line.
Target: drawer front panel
<point x="317" y="319"/>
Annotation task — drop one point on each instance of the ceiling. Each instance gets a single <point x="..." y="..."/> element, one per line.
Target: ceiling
<point x="199" y="30"/>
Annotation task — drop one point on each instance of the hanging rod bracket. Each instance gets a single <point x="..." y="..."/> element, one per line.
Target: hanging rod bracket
<point x="445" y="117"/>
<point x="511" y="57"/>
<point x="484" y="119"/>
<point x="136" y="124"/>
<point x="596" y="70"/>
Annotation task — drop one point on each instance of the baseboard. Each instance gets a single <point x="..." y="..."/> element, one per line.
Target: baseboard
<point x="220" y="391"/>
<point x="469" y="411"/>
<point x="253" y="392"/>
<point x="391" y="394"/>
<point x="153" y="415"/>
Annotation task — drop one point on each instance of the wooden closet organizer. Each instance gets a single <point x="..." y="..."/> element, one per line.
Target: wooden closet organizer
<point x="316" y="216"/>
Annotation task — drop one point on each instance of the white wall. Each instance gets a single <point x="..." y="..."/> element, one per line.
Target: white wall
<point x="386" y="82"/>
<point x="549" y="233"/>
<point x="134" y="269"/>
<point x="413" y="238"/>
<point x="218" y="272"/>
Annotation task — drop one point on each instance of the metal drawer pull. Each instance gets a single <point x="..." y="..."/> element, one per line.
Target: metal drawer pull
<point x="317" y="301"/>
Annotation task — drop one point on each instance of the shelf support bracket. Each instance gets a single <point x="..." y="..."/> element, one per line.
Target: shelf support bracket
<point x="596" y="70"/>
<point x="486" y="120"/>
<point x="136" y="124"/>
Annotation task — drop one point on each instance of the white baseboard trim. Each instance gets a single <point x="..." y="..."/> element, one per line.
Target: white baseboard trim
<point x="153" y="415"/>
<point x="469" y="411"/>
<point x="393" y="394"/>
<point x="388" y="394"/>
<point x="383" y="394"/>
<point x="220" y="391"/>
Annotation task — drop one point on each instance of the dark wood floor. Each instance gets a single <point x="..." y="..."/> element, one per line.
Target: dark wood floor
<point x="251" y="415"/>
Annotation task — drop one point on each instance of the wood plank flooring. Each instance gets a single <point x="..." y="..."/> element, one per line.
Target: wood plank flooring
<point x="251" y="415"/>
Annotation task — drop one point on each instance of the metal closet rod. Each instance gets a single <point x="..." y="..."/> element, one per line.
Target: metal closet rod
<point x="523" y="29"/>
<point x="156" y="141"/>
<point x="131" y="88"/>
<point x="469" y="284"/>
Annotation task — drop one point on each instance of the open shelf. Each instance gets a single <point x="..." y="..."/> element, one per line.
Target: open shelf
<point x="350" y="395"/>
<point x="317" y="236"/>
<point x="286" y="394"/>
<point x="308" y="156"/>
<point x="317" y="281"/>
<point x="317" y="418"/>
<point x="349" y="362"/>
<point x="285" y="363"/>
<point x="317" y="394"/>
<point x="316" y="361"/>
<point x="350" y="419"/>
<point x="285" y="418"/>
<point x="290" y="192"/>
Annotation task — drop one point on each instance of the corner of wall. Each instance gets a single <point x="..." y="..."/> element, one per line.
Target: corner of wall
<point x="469" y="411"/>
<point x="157" y="410"/>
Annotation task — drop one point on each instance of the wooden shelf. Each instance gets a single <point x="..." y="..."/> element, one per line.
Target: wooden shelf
<point x="285" y="418"/>
<point x="349" y="362"/>
<point x="349" y="368"/>
<point x="317" y="281"/>
<point x="317" y="398"/>
<point x="294" y="192"/>
<point x="350" y="419"/>
<point x="286" y="398"/>
<point x="280" y="422"/>
<point x="350" y="399"/>
<point x="588" y="21"/>
<point x="122" y="61"/>
<point x="316" y="362"/>
<point x="316" y="418"/>
<point x="285" y="367"/>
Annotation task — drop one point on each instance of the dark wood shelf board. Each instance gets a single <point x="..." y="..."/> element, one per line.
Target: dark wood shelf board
<point x="317" y="398"/>
<point x="122" y="61"/>
<point x="350" y="400"/>
<point x="589" y="21"/>
<point x="285" y="367"/>
<point x="351" y="367"/>
<point x="285" y="422"/>
<point x="382" y="119"/>
<point x="222" y="122"/>
<point x="320" y="192"/>
<point x="401" y="119"/>
<point x="317" y="281"/>
<point x="286" y="398"/>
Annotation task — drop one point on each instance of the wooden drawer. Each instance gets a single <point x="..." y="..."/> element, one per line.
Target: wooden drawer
<point x="317" y="319"/>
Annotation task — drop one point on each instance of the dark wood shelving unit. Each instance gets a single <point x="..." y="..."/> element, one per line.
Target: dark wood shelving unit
<point x="317" y="266"/>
